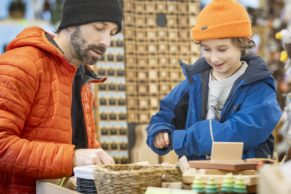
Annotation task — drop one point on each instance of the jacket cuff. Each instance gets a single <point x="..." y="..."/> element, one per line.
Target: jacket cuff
<point x="151" y="137"/>
<point x="178" y="139"/>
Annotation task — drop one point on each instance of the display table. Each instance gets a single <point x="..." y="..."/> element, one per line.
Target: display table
<point x="50" y="186"/>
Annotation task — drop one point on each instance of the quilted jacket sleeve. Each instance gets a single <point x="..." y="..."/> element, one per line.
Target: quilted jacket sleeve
<point x="18" y="86"/>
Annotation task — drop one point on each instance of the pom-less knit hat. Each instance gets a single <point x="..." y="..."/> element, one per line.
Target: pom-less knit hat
<point x="222" y="19"/>
<point x="78" y="12"/>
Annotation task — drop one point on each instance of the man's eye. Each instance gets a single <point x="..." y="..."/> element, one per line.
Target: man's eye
<point x="99" y="28"/>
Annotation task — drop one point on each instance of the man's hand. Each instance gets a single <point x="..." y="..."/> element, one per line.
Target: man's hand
<point x="162" y="140"/>
<point x="84" y="157"/>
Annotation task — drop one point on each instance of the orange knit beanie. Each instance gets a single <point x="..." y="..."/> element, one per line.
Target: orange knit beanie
<point x="222" y="19"/>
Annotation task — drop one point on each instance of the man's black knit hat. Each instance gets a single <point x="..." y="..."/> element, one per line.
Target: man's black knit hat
<point x="78" y="12"/>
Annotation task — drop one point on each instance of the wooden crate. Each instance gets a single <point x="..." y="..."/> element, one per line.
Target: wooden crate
<point x="163" y="61"/>
<point x="130" y="47"/>
<point x="130" y="61"/>
<point x="175" y="76"/>
<point x="141" y="34"/>
<point x="174" y="60"/>
<point x="183" y="8"/>
<point x="164" y="75"/>
<point x="129" y="19"/>
<point x="163" y="47"/>
<point x="142" y="48"/>
<point x="173" y="34"/>
<point x="163" y="34"/>
<point x="144" y="117"/>
<point x="185" y="34"/>
<point x="142" y="62"/>
<point x="153" y="89"/>
<point x="142" y="90"/>
<point x="185" y="48"/>
<point x="150" y="21"/>
<point x="173" y="49"/>
<point x="128" y="6"/>
<point x="172" y="21"/>
<point x="132" y="103"/>
<point x="164" y="88"/>
<point x="154" y="104"/>
<point x="183" y="21"/>
<point x="140" y="20"/>
<point x="131" y="89"/>
<point x="150" y="7"/>
<point x="151" y="34"/>
<point x="139" y="7"/>
<point x="152" y="48"/>
<point x="142" y="75"/>
<point x="193" y="8"/>
<point x="153" y="75"/>
<point x="131" y="75"/>
<point x="153" y="62"/>
<point x="143" y="103"/>
<point x="161" y="6"/>
<point x="172" y="7"/>
<point x="129" y="33"/>
<point x="133" y="116"/>
<point x="192" y="20"/>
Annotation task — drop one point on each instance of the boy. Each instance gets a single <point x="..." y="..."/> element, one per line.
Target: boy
<point x="227" y="96"/>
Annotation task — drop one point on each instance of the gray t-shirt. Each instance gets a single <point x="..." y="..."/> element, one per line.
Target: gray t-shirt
<point x="219" y="91"/>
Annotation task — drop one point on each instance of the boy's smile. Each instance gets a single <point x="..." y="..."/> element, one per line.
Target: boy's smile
<point x="222" y="55"/>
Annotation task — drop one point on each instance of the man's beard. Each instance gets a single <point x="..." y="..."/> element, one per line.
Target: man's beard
<point x="82" y="54"/>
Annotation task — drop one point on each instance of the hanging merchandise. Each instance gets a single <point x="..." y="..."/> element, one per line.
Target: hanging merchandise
<point x="285" y="37"/>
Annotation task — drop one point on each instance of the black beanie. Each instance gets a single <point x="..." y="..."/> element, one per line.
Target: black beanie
<point x="78" y="12"/>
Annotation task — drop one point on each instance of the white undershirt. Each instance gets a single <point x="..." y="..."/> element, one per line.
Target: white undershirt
<point x="219" y="91"/>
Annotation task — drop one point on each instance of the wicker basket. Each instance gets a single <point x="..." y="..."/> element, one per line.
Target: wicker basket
<point x="132" y="178"/>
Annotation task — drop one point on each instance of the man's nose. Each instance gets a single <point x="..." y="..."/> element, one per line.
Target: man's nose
<point x="106" y="39"/>
<point x="213" y="58"/>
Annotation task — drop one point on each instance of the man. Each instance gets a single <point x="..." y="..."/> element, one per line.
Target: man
<point x="46" y="118"/>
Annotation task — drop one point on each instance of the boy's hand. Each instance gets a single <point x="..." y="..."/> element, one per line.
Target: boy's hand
<point x="162" y="140"/>
<point x="84" y="157"/>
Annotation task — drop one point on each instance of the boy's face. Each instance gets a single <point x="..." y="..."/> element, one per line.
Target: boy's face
<point x="89" y="41"/>
<point x="222" y="55"/>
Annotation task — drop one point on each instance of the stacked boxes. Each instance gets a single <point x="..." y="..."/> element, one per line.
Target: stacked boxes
<point x="157" y="34"/>
<point x="142" y="67"/>
<point x="110" y="101"/>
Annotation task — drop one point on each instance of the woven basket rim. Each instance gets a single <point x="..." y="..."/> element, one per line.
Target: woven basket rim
<point x="144" y="168"/>
<point x="118" y="179"/>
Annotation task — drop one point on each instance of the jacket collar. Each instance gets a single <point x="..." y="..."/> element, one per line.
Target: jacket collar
<point x="257" y="69"/>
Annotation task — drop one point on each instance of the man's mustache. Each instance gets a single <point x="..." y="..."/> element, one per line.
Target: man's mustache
<point x="97" y="48"/>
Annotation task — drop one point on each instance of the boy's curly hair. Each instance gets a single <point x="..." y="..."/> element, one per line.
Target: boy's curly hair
<point x="243" y="43"/>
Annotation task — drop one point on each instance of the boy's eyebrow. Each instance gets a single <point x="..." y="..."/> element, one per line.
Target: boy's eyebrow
<point x="223" y="45"/>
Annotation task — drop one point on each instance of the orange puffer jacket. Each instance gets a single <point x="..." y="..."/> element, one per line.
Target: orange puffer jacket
<point x="35" y="113"/>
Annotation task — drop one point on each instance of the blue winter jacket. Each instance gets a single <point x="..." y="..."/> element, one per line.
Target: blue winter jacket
<point x="249" y="115"/>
